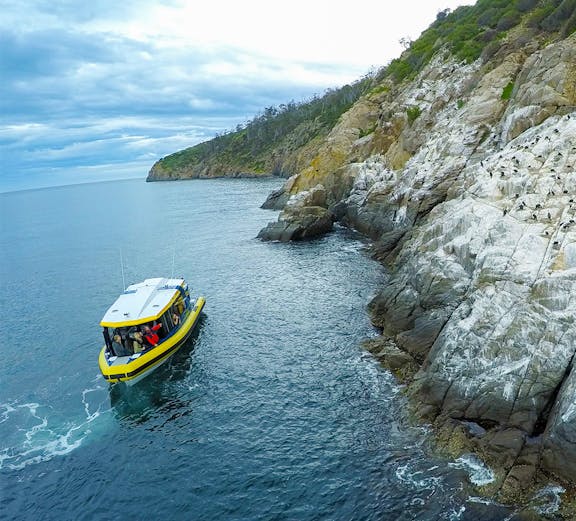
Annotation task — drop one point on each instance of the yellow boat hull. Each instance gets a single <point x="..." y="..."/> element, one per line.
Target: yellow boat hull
<point x="136" y="367"/>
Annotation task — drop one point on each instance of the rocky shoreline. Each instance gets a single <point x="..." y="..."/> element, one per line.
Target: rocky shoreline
<point x="472" y="207"/>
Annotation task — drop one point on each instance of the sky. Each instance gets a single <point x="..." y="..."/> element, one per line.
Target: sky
<point x="100" y="89"/>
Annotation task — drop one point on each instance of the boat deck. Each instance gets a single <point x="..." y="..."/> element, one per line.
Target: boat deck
<point x="120" y="360"/>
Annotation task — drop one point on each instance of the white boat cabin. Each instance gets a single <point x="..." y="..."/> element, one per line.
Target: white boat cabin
<point x="145" y="315"/>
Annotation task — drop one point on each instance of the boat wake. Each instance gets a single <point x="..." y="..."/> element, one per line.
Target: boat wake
<point x="32" y="433"/>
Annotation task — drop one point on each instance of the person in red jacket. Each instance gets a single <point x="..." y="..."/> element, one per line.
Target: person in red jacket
<point x="150" y="334"/>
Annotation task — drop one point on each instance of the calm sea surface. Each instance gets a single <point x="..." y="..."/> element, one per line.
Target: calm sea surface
<point x="271" y="412"/>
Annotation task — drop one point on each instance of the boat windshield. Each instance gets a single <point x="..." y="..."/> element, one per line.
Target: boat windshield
<point x="126" y="341"/>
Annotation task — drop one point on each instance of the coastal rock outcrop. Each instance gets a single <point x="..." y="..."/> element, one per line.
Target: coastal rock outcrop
<point x="303" y="217"/>
<point x="468" y="188"/>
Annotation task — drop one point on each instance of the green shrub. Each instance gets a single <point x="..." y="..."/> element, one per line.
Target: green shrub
<point x="507" y="91"/>
<point x="482" y="5"/>
<point x="413" y="112"/>
<point x="379" y="89"/>
<point x="508" y="21"/>
<point x="555" y="20"/>
<point x="525" y="5"/>
<point x="489" y="18"/>
<point x="488" y="35"/>
<point x="569" y="26"/>
<point x="363" y="132"/>
<point x="470" y="51"/>
<point x="399" y="69"/>
<point x="538" y="15"/>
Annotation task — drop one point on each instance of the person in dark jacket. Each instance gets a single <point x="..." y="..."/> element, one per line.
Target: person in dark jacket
<point x="118" y="346"/>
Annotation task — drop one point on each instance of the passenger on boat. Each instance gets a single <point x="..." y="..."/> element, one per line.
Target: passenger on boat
<point x="118" y="346"/>
<point x="150" y="334"/>
<point x="175" y="319"/>
<point x="138" y="341"/>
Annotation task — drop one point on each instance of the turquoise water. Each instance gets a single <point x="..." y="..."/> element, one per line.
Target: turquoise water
<point x="271" y="412"/>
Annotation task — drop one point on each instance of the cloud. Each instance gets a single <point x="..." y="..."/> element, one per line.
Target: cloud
<point x="107" y="82"/>
<point x="75" y="100"/>
<point x="61" y="75"/>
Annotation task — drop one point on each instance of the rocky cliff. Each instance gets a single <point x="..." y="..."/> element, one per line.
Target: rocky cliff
<point x="467" y="185"/>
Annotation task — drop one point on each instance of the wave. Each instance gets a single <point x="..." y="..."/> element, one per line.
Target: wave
<point x="419" y="479"/>
<point x="547" y="500"/>
<point x="478" y="472"/>
<point x="32" y="433"/>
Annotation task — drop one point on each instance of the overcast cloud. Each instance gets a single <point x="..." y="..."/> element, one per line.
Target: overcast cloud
<point x="100" y="90"/>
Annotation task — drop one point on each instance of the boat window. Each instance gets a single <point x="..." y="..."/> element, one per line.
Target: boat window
<point x="176" y="313"/>
<point x="166" y="322"/>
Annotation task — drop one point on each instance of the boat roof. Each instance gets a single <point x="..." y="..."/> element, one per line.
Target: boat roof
<point x="143" y="302"/>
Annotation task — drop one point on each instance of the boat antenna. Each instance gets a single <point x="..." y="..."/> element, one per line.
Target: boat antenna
<point x="122" y="268"/>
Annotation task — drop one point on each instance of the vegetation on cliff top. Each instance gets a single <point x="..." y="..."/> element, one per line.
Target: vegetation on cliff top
<point x="469" y="32"/>
<point x="472" y="31"/>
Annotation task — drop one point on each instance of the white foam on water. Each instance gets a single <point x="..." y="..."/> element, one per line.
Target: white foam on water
<point x="418" y="478"/>
<point x="478" y="472"/>
<point x="4" y="414"/>
<point x="491" y="502"/>
<point x="42" y="438"/>
<point x="457" y="513"/>
<point x="482" y="501"/>
<point x="549" y="499"/>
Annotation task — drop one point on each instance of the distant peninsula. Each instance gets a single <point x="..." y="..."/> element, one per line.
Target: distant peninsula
<point x="281" y="141"/>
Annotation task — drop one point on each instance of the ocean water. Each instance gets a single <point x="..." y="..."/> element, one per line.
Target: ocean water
<point x="272" y="411"/>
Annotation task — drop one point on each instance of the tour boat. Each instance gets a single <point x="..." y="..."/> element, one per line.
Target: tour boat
<point x="146" y="325"/>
